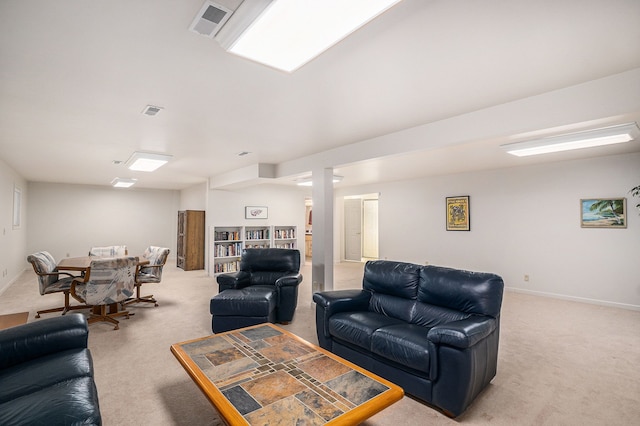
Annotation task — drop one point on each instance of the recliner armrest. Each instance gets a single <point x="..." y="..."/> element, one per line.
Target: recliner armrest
<point x="233" y="280"/>
<point x="33" y="340"/>
<point x="342" y="300"/>
<point x="289" y="280"/>
<point x="464" y="333"/>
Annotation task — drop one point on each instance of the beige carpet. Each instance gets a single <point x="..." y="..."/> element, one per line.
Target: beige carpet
<point x="561" y="363"/>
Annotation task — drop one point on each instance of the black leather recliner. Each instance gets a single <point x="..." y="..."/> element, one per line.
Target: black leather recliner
<point x="265" y="289"/>
<point x="46" y="374"/>
<point x="432" y="330"/>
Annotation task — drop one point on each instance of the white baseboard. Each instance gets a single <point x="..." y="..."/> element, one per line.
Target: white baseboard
<point x="576" y="299"/>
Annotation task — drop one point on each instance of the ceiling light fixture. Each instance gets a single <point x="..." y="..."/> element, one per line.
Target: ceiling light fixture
<point x="286" y="34"/>
<point x="309" y="181"/>
<point x="123" y="182"/>
<point x="587" y="139"/>
<point x="146" y="161"/>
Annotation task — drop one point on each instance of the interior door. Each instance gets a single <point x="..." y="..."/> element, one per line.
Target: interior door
<point x="370" y="229"/>
<point x="353" y="229"/>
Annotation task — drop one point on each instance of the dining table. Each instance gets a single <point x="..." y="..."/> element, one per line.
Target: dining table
<point x="82" y="264"/>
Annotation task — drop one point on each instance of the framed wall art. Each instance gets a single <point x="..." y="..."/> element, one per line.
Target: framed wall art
<point x="603" y="213"/>
<point x="256" y="212"/>
<point x="458" y="218"/>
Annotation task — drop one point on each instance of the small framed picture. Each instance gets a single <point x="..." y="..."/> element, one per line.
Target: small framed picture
<point x="256" y="212"/>
<point x="458" y="218"/>
<point x="603" y="213"/>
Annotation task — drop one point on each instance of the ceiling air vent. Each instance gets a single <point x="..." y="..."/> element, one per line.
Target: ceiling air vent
<point x="151" y="110"/>
<point x="210" y="19"/>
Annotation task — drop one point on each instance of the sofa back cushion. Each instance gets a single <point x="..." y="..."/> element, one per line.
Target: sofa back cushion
<point x="478" y="293"/>
<point x="393" y="287"/>
<point x="392" y="278"/>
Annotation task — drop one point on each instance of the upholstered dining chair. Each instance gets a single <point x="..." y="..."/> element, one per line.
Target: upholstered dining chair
<point x="50" y="280"/>
<point x="150" y="273"/>
<point x="107" y="283"/>
<point x="109" y="251"/>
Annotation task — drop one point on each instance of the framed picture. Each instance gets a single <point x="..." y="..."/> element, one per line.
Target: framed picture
<point x="256" y="212"/>
<point x="458" y="218"/>
<point x="603" y="213"/>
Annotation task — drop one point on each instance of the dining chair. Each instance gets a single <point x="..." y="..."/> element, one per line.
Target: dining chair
<point x="109" y="251"/>
<point x="107" y="283"/>
<point x="50" y="280"/>
<point x="150" y="273"/>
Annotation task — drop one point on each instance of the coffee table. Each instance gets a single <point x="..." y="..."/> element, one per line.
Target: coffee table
<point x="264" y="374"/>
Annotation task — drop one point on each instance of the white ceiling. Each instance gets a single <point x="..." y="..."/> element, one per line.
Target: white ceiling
<point x="75" y="76"/>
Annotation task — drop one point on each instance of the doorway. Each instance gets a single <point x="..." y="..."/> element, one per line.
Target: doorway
<point x="361" y="227"/>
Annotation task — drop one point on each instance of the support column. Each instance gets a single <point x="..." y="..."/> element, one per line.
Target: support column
<point x="322" y="259"/>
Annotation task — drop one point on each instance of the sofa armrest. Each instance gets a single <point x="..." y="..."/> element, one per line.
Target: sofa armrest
<point x="289" y="280"/>
<point x="464" y="333"/>
<point x="342" y="300"/>
<point x="41" y="338"/>
<point x="233" y="280"/>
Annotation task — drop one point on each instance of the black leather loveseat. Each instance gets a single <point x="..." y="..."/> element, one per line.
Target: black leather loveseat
<point x="46" y="374"/>
<point x="432" y="330"/>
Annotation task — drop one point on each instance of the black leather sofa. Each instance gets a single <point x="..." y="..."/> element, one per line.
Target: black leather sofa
<point x="46" y="374"/>
<point x="265" y="289"/>
<point x="432" y="330"/>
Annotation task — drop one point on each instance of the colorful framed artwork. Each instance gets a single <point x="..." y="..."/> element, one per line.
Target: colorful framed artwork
<point x="458" y="218"/>
<point x="603" y="213"/>
<point x="256" y="212"/>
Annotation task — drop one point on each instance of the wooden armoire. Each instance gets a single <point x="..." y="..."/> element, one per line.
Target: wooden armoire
<point x="190" y="252"/>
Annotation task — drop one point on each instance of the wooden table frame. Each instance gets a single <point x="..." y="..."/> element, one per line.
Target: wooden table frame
<point x="231" y="415"/>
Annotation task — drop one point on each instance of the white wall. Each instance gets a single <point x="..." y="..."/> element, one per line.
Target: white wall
<point x="523" y="221"/>
<point x="286" y="207"/>
<point x="69" y="219"/>
<point x="194" y="197"/>
<point x="12" y="240"/>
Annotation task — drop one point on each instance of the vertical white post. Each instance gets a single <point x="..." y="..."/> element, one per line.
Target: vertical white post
<point x="322" y="259"/>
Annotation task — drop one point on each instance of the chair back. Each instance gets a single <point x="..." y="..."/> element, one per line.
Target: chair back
<point x="157" y="257"/>
<point x="110" y="280"/>
<point x="109" y="251"/>
<point x="45" y="267"/>
<point x="266" y="265"/>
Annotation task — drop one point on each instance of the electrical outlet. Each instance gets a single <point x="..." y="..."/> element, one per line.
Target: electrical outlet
<point x="526" y="277"/>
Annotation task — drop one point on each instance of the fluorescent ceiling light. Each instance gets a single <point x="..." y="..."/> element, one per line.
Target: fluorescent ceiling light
<point x="587" y="139"/>
<point x="286" y="34"/>
<point x="146" y="162"/>
<point x="309" y="181"/>
<point x="123" y="183"/>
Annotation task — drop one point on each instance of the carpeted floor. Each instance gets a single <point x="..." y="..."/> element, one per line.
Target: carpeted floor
<point x="560" y="362"/>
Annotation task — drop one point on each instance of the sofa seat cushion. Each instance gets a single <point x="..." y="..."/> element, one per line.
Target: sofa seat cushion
<point x="404" y="344"/>
<point x="357" y="328"/>
<point x="72" y="402"/>
<point x="35" y="375"/>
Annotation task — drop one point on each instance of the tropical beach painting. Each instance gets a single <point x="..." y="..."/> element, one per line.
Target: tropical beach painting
<point x="603" y="213"/>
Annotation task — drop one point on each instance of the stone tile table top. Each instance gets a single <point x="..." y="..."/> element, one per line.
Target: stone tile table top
<point x="266" y="375"/>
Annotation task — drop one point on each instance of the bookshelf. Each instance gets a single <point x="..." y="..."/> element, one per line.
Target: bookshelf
<point x="229" y="241"/>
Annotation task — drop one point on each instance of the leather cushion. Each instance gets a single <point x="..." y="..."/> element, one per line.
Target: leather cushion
<point x="393" y="278"/>
<point x="249" y="301"/>
<point x="405" y="344"/>
<point x="357" y="327"/>
<point x="470" y="292"/>
<point x="72" y="402"/>
<point x="37" y="374"/>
